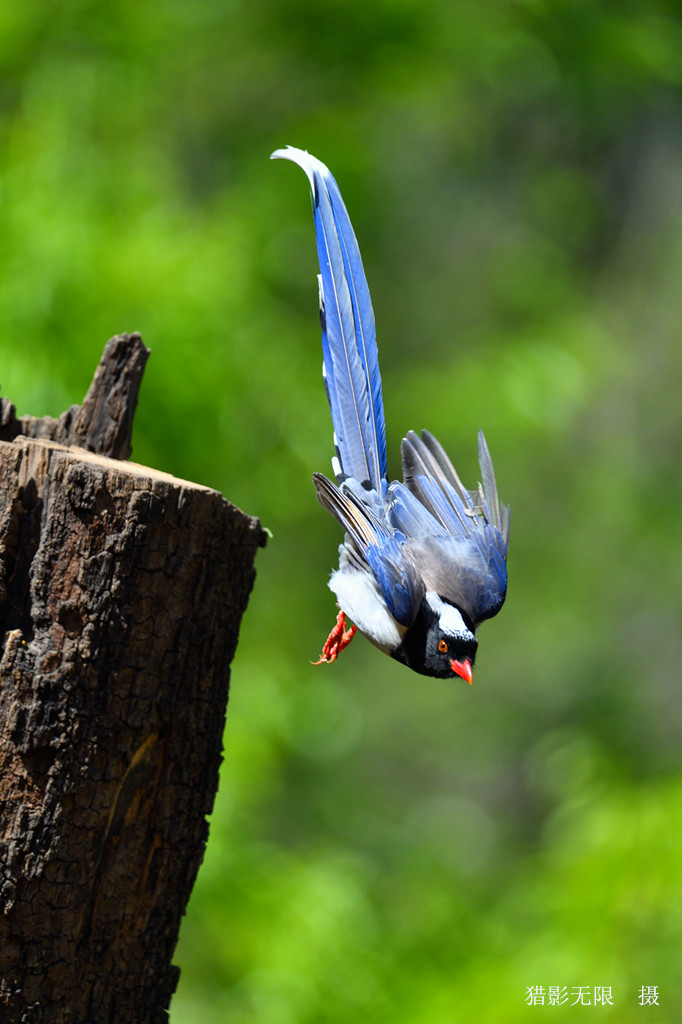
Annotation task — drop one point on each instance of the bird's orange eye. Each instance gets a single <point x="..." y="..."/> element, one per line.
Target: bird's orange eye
<point x="442" y="647"/>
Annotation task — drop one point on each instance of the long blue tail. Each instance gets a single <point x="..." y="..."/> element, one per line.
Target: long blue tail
<point x="351" y="365"/>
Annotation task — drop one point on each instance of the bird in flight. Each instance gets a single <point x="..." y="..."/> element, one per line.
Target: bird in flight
<point x="423" y="560"/>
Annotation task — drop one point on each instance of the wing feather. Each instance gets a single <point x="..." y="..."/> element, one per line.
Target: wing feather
<point x="378" y="546"/>
<point x="458" y="537"/>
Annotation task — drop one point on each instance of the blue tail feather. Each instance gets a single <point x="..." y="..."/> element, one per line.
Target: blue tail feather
<point x="349" y="346"/>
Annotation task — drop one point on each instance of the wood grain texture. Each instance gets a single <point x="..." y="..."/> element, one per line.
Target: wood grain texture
<point x="121" y="596"/>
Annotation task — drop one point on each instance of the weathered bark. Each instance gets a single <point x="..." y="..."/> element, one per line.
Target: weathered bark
<point x="104" y="422"/>
<point x="121" y="595"/>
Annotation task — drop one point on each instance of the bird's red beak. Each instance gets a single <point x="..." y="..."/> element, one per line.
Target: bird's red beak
<point x="463" y="669"/>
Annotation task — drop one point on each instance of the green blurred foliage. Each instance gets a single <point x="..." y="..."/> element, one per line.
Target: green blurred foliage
<point x="385" y="847"/>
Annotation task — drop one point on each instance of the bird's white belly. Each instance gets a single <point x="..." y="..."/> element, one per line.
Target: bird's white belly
<point x="363" y="603"/>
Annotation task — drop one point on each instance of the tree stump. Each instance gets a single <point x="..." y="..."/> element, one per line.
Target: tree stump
<point x="121" y="595"/>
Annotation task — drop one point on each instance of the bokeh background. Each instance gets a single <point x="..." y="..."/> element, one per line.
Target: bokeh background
<point x="386" y="847"/>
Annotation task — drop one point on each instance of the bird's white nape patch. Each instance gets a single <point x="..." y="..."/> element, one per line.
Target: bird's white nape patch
<point x="449" y="618"/>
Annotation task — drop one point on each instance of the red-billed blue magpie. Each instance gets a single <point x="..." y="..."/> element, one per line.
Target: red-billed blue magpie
<point x="423" y="562"/>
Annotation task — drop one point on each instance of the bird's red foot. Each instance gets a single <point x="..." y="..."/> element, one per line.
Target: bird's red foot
<point x="339" y="638"/>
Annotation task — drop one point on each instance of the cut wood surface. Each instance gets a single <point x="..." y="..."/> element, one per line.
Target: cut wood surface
<point x="121" y="596"/>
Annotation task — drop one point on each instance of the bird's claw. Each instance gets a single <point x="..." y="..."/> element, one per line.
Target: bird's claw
<point x="339" y="638"/>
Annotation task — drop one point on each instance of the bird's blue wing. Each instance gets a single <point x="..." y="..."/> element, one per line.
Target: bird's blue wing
<point x="376" y="545"/>
<point x="458" y="537"/>
<point x="351" y="366"/>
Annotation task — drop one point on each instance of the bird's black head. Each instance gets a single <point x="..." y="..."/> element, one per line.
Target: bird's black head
<point x="439" y="642"/>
